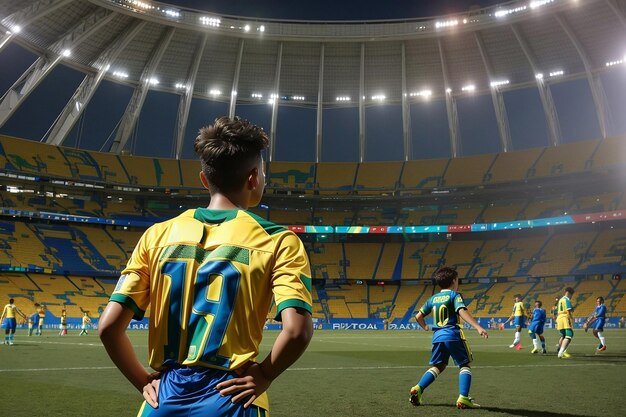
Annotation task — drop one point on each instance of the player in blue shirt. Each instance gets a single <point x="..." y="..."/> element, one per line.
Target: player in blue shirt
<point x="597" y="319"/>
<point x="448" y="338"/>
<point x="535" y="328"/>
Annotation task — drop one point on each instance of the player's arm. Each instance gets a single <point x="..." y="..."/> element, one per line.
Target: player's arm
<point x="420" y="317"/>
<point x="288" y="347"/>
<point x="112" y="332"/>
<point x="467" y="317"/>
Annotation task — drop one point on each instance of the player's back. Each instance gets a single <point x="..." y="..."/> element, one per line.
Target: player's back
<point x="9" y="311"/>
<point x="208" y="276"/>
<point x="444" y="306"/>
<point x="564" y="306"/>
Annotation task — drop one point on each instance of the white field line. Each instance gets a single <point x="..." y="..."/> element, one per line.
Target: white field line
<point x="337" y="368"/>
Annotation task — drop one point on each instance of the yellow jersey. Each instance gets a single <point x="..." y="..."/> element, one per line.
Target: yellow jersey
<point x="518" y="309"/>
<point x="9" y="311"/>
<point x="86" y="320"/>
<point x="209" y="277"/>
<point x="564" y="306"/>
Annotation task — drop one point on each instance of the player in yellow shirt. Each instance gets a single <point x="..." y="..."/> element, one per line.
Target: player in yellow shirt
<point x="63" y="325"/>
<point x="41" y="312"/>
<point x="85" y="325"/>
<point x="209" y="276"/>
<point x="518" y="317"/>
<point x="565" y="322"/>
<point x="9" y="322"/>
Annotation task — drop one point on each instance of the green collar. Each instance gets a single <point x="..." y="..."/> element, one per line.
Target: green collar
<point x="214" y="216"/>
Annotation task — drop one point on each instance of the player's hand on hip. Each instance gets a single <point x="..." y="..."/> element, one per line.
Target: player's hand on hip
<point x="249" y="386"/>
<point x="151" y="390"/>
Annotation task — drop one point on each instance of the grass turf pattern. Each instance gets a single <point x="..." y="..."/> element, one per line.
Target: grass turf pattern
<point x="343" y="373"/>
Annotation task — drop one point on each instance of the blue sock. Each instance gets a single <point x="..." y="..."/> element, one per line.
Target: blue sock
<point x="428" y="378"/>
<point x="532" y="336"/>
<point x="465" y="381"/>
<point x="543" y="344"/>
<point x="6" y="338"/>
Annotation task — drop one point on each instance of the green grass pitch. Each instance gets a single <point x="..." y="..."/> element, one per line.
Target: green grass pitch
<point x="343" y="373"/>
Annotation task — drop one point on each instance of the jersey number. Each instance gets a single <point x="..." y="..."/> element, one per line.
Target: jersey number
<point x="441" y="315"/>
<point x="209" y="317"/>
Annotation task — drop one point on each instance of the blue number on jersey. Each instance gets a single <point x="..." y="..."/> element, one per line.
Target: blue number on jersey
<point x="199" y="330"/>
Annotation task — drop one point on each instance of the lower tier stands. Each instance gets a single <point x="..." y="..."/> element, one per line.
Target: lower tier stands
<point x="346" y="299"/>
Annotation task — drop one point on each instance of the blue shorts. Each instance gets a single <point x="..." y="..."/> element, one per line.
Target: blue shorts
<point x="535" y="327"/>
<point x="458" y="349"/>
<point x="190" y="392"/>
<point x="10" y="324"/>
<point x="599" y="325"/>
<point x="519" y="321"/>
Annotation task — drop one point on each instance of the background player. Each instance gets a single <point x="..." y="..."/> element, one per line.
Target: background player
<point x="535" y="328"/>
<point x="33" y="320"/>
<point x="220" y="267"/>
<point x="85" y="325"/>
<point x="41" y="310"/>
<point x="9" y="322"/>
<point x="63" y="325"/>
<point x="448" y="338"/>
<point x="564" y="322"/>
<point x="518" y="317"/>
<point x="598" y="319"/>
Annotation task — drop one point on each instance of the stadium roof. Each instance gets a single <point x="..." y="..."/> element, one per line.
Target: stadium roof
<point x="155" y="46"/>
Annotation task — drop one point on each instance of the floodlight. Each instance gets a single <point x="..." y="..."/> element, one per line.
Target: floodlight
<point x="498" y="83"/>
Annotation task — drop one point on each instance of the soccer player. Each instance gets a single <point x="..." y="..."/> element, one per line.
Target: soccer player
<point x="85" y="325"/>
<point x="41" y="311"/>
<point x="9" y="322"/>
<point x="597" y="319"/>
<point x="518" y="317"/>
<point x="564" y="322"/>
<point x="209" y="276"/>
<point x="448" y="338"/>
<point x="33" y="320"/>
<point x="536" y="328"/>
<point x="63" y="325"/>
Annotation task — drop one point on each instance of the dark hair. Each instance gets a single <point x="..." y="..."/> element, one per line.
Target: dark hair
<point x="228" y="149"/>
<point x="601" y="300"/>
<point x="444" y="276"/>
<point x="569" y="290"/>
<point x="539" y="302"/>
<point x="11" y="301"/>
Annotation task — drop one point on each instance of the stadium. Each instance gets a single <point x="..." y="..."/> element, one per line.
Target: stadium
<point x="491" y="140"/>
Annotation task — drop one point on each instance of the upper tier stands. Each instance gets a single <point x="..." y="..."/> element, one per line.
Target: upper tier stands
<point x="34" y="158"/>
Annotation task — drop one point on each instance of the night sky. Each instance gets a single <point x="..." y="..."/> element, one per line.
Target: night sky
<point x="333" y="9"/>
